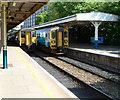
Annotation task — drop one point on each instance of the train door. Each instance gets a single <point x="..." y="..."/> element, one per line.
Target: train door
<point x="21" y="38"/>
<point x="28" y="38"/>
<point x="59" y="38"/>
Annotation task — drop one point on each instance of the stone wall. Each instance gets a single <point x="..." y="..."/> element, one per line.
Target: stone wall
<point x="106" y="62"/>
<point x="0" y="41"/>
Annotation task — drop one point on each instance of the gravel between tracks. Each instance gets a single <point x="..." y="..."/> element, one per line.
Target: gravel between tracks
<point x="68" y="82"/>
<point x="96" y="70"/>
<point x="102" y="84"/>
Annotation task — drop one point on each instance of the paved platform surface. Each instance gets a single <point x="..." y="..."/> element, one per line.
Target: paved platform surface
<point x="113" y="51"/>
<point x="26" y="79"/>
<point x="0" y="45"/>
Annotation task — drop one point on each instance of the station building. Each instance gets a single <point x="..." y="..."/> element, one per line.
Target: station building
<point x="31" y="20"/>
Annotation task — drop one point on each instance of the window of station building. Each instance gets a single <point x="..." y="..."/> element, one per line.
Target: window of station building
<point x="53" y="35"/>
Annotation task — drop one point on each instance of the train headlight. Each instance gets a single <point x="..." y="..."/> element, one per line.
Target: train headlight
<point x="52" y="41"/>
<point x="33" y="41"/>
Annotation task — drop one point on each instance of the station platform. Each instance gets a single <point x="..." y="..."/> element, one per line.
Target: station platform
<point x="113" y="51"/>
<point x="105" y="57"/>
<point x="25" y="78"/>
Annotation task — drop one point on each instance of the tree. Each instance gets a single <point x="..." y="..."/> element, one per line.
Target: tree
<point x="62" y="9"/>
<point x="41" y="18"/>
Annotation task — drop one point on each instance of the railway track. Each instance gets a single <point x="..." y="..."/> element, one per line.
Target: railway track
<point x="97" y="93"/>
<point x="112" y="76"/>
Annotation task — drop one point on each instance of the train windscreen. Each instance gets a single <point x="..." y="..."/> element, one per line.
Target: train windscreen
<point x="23" y="34"/>
<point x="53" y="34"/>
<point x="65" y="34"/>
<point x="33" y="33"/>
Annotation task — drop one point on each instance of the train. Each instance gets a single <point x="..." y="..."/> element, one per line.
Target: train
<point x="52" y="39"/>
<point x="26" y="38"/>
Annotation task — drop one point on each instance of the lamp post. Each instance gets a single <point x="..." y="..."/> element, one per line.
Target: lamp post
<point x="4" y="35"/>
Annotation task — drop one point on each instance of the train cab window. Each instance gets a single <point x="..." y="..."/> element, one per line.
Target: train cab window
<point x="33" y="34"/>
<point x="53" y="35"/>
<point x="65" y="34"/>
<point x="23" y="34"/>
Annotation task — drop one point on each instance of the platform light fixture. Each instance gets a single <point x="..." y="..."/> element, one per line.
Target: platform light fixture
<point x="14" y="3"/>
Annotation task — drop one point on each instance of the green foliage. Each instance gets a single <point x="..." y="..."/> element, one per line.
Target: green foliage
<point x="111" y="7"/>
<point x="111" y="33"/>
<point x="41" y="18"/>
<point x="62" y="9"/>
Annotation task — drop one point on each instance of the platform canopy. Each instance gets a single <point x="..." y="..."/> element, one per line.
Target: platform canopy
<point x="81" y="18"/>
<point x="19" y="10"/>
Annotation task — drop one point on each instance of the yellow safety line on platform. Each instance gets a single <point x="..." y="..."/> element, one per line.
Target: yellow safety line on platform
<point x="35" y="76"/>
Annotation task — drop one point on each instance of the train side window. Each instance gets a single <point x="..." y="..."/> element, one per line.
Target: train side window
<point x="48" y="34"/>
<point x="66" y="34"/>
<point x="53" y="34"/>
<point x="40" y="35"/>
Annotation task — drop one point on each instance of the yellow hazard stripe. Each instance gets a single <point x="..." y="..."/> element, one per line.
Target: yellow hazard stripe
<point x="35" y="76"/>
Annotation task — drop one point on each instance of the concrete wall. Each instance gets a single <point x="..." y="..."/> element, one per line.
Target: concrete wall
<point x="106" y="62"/>
<point x="0" y="48"/>
<point x="0" y="41"/>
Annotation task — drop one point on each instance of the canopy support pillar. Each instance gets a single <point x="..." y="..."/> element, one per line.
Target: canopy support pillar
<point x="96" y="25"/>
<point x="4" y="36"/>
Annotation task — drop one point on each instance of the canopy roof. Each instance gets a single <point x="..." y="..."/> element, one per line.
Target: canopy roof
<point x="19" y="10"/>
<point x="81" y="18"/>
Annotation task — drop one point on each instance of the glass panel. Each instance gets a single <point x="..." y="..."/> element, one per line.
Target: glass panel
<point x="33" y="33"/>
<point x="53" y="34"/>
<point x="23" y="34"/>
<point x="65" y="34"/>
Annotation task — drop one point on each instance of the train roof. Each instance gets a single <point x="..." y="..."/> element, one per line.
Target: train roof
<point x="24" y="29"/>
<point x="49" y="28"/>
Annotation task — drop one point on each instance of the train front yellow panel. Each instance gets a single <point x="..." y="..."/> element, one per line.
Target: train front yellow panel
<point x="22" y="41"/>
<point x="66" y="42"/>
<point x="34" y="40"/>
<point x="52" y="43"/>
<point x="52" y="39"/>
<point x="66" y="38"/>
<point x="28" y="38"/>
